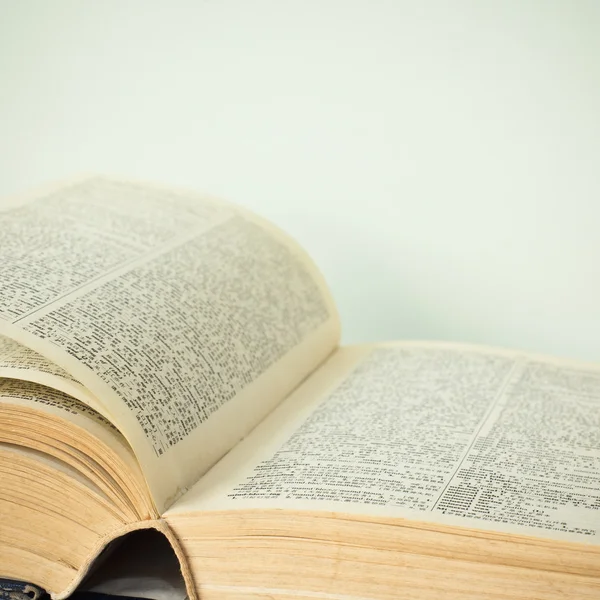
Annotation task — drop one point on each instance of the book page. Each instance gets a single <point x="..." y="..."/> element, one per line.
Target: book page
<point x="186" y="318"/>
<point x="48" y="421"/>
<point x="449" y="434"/>
<point x="32" y="396"/>
<point x="19" y="362"/>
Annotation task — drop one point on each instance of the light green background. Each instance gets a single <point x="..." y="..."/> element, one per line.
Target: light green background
<point x="440" y="160"/>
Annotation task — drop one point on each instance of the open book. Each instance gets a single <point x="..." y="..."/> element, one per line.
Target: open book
<point x="170" y="361"/>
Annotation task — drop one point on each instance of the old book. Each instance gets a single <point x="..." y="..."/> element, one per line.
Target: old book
<point x="170" y="361"/>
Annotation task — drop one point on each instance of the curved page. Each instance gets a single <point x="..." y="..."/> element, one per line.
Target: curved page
<point x="188" y="319"/>
<point x="20" y="362"/>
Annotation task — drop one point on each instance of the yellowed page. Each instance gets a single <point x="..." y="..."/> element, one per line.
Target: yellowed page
<point x="186" y="318"/>
<point x="459" y="435"/>
<point x="48" y="421"/>
<point x="40" y="398"/>
<point x="20" y="362"/>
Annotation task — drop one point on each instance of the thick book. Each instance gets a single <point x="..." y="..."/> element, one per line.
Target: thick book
<point x="170" y="361"/>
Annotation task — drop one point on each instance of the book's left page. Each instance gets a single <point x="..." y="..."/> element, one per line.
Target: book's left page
<point x="182" y="319"/>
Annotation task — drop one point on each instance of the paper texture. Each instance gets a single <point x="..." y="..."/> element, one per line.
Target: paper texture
<point x="173" y="310"/>
<point x="19" y="362"/>
<point x="32" y="396"/>
<point x="452" y="435"/>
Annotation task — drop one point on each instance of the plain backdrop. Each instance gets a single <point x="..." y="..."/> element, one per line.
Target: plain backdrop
<point x="439" y="160"/>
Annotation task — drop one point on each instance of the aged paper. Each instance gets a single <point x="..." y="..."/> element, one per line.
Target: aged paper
<point x="438" y="433"/>
<point x="176" y="312"/>
<point x="20" y="362"/>
<point x="55" y="424"/>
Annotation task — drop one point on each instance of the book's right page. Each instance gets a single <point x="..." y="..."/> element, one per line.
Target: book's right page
<point x="457" y="435"/>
